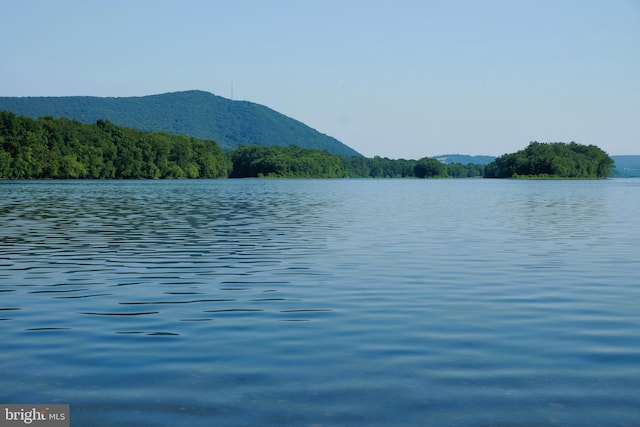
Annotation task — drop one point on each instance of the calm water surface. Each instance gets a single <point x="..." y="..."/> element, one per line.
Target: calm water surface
<point x="323" y="302"/>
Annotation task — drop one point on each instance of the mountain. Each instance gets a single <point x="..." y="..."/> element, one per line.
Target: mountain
<point x="464" y="159"/>
<point x="194" y="113"/>
<point x="626" y="166"/>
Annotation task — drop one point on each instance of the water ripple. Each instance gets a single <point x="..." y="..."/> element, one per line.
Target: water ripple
<point x="135" y="313"/>
<point x="174" y="302"/>
<point x="342" y="302"/>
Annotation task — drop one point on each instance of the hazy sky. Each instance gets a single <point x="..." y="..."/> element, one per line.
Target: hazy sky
<point x="401" y="79"/>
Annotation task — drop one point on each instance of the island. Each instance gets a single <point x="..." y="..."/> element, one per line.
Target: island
<point x="552" y="160"/>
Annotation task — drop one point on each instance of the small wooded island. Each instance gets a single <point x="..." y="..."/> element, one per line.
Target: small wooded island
<point x="552" y="160"/>
<point x="48" y="148"/>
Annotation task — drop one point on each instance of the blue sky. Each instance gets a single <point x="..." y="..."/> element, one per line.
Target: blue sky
<point x="401" y="79"/>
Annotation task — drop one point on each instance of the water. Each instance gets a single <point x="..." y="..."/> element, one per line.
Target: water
<point x="323" y="302"/>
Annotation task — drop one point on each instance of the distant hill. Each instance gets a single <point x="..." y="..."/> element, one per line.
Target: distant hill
<point x="626" y="166"/>
<point x="464" y="159"/>
<point x="194" y="113"/>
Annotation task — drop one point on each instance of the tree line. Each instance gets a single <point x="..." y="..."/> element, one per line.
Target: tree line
<point x="296" y="162"/>
<point x="284" y="162"/>
<point x="554" y="159"/>
<point x="62" y="148"/>
<point x="68" y="149"/>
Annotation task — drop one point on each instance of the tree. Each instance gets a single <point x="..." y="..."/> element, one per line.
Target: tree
<point x="430" y="168"/>
<point x="70" y="167"/>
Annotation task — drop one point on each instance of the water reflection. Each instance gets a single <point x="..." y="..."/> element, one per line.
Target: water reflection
<point x="560" y="210"/>
<point x="551" y="223"/>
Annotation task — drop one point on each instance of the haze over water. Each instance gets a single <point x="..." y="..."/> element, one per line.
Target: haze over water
<point x="322" y="302"/>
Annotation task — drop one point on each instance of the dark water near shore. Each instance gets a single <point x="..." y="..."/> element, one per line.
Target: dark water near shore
<point x="323" y="302"/>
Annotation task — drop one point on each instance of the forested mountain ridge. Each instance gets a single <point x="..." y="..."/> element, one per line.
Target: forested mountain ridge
<point x="194" y="113"/>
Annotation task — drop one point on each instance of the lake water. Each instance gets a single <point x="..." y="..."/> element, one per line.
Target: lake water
<point x="323" y="302"/>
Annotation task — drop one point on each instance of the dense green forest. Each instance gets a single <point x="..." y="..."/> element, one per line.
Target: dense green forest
<point x="555" y="159"/>
<point x="290" y="162"/>
<point x="62" y="148"/>
<point x="377" y="167"/>
<point x="194" y="113"/>
<point x="284" y="162"/>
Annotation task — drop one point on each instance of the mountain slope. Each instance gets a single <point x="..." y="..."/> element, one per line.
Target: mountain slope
<point x="195" y="113"/>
